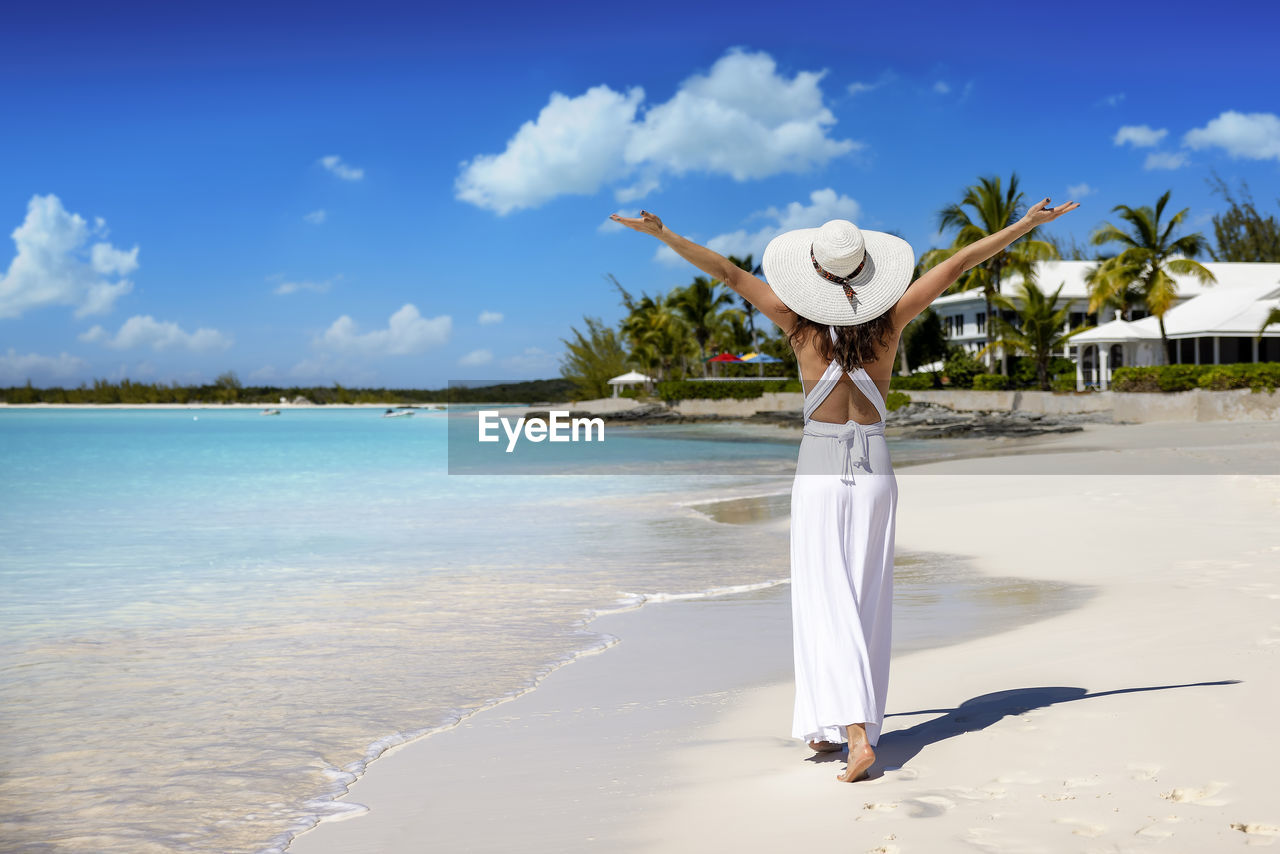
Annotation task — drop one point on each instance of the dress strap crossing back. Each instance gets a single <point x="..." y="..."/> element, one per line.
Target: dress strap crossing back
<point x="818" y="393"/>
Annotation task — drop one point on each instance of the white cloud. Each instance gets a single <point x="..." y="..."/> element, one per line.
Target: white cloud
<point x="823" y="205"/>
<point x="345" y="171"/>
<point x="1139" y="136"/>
<point x="285" y="288"/>
<point x="860" y="87"/>
<point x="407" y="332"/>
<point x="532" y="359"/>
<point x="56" y="265"/>
<point x="741" y="118"/>
<point x="942" y="87"/>
<point x="475" y="358"/>
<point x="17" y="368"/>
<point x="1110" y="100"/>
<point x="638" y="190"/>
<point x="143" y="330"/>
<point x="1255" y="136"/>
<point x="1079" y="191"/>
<point x="1165" y="160"/>
<point x="488" y="317"/>
<point x="322" y="370"/>
<point x="574" y="147"/>
<point x="316" y="217"/>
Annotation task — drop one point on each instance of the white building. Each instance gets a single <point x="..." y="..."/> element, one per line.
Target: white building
<point x="1209" y="324"/>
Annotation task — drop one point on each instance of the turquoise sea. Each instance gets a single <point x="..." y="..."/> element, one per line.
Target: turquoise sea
<point x="212" y="621"/>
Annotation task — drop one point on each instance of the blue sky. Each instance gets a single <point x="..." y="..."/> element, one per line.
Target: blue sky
<point x="403" y="195"/>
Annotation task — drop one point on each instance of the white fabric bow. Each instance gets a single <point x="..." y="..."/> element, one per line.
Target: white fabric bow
<point x="851" y="435"/>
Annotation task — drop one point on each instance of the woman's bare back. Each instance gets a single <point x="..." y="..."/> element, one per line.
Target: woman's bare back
<point x="846" y="402"/>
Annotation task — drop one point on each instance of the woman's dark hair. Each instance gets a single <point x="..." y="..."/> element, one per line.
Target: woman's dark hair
<point x="854" y="346"/>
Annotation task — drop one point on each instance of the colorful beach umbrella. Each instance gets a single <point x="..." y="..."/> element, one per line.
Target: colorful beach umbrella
<point x="724" y="357"/>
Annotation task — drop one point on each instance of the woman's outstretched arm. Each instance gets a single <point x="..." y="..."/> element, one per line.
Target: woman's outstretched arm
<point x="754" y="290"/>
<point x="924" y="290"/>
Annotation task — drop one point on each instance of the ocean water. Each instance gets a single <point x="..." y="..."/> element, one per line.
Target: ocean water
<point x="211" y="621"/>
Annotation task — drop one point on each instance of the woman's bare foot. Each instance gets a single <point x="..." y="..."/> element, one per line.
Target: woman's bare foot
<point x="861" y="758"/>
<point x="826" y="746"/>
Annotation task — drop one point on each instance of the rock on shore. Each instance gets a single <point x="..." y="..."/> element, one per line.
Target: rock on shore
<point x="915" y="420"/>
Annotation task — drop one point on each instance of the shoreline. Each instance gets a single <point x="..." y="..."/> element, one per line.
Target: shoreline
<point x="648" y="645"/>
<point x="721" y="784"/>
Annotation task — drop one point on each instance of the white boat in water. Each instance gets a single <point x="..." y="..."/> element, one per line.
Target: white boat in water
<point x="269" y="412"/>
<point x="398" y="413"/>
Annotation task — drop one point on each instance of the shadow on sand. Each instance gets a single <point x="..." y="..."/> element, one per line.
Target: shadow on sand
<point x="899" y="747"/>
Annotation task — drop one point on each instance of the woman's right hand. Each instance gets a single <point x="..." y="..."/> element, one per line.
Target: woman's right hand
<point x="646" y="223"/>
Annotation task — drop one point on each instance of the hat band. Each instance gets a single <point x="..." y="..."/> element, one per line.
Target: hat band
<point x="832" y="277"/>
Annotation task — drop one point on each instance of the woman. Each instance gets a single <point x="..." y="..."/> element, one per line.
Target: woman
<point x="843" y="296"/>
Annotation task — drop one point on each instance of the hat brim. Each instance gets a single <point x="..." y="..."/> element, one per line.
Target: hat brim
<point x="884" y="278"/>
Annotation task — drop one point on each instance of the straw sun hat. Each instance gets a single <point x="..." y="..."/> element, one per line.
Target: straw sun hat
<point x="838" y="273"/>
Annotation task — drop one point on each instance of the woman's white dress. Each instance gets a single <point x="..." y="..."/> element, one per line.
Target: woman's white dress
<point x="843" y="506"/>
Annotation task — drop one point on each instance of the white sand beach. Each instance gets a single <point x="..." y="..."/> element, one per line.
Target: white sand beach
<point x="1141" y="720"/>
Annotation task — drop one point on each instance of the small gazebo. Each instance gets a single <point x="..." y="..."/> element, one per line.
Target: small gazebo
<point x="1114" y="344"/>
<point x="630" y="378"/>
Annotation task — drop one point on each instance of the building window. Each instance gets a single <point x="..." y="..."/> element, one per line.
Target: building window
<point x="1231" y="351"/>
<point x="981" y="321"/>
<point x="1076" y="319"/>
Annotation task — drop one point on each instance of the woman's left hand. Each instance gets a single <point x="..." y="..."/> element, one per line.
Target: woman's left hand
<point x="1040" y="213"/>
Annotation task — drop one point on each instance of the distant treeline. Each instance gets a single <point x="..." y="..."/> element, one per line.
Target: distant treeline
<point x="227" y="389"/>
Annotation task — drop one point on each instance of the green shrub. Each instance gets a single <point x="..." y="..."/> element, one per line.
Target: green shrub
<point x="990" y="382"/>
<point x="789" y="385"/>
<point x="961" y="367"/>
<point x="1156" y="378"/>
<point x="897" y="400"/>
<point x="678" y="390"/>
<point x="1064" y="382"/>
<point x="1264" y="376"/>
<point x="917" y="382"/>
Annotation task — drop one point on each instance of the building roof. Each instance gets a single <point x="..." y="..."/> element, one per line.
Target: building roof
<point x="1236" y="310"/>
<point x="1116" y="330"/>
<point x="1071" y="275"/>
<point x="630" y="377"/>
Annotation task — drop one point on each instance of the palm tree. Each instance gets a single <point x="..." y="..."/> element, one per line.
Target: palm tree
<point x="590" y="360"/>
<point x="1149" y="254"/>
<point x="700" y="304"/>
<point x="992" y="208"/>
<point x="1103" y="294"/>
<point x="747" y="308"/>
<point x="1034" y="327"/>
<point x="1272" y="317"/>
<point x="655" y="333"/>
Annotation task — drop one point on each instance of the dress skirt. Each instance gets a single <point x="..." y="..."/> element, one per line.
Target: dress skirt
<point x="842" y="535"/>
